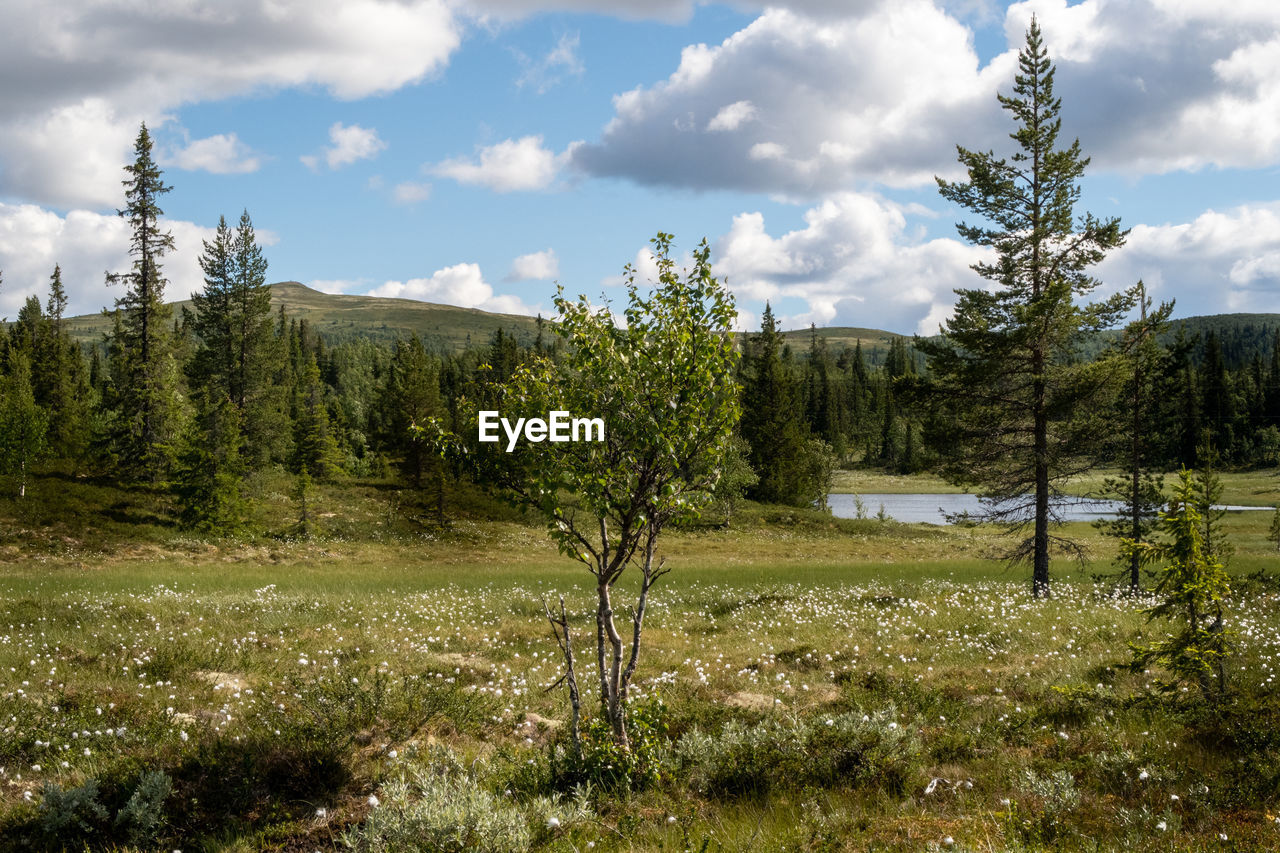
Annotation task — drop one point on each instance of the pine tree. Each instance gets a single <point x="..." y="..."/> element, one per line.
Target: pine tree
<point x="1005" y="362"/>
<point x="145" y="401"/>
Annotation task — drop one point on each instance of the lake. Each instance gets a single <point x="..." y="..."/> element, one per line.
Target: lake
<point x="933" y="508"/>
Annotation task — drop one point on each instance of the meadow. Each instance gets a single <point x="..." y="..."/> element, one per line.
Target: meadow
<point x="806" y="683"/>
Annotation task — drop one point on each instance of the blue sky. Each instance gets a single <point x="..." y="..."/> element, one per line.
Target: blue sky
<point x="477" y="151"/>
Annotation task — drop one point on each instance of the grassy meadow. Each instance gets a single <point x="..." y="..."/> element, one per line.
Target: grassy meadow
<point x="806" y="683"/>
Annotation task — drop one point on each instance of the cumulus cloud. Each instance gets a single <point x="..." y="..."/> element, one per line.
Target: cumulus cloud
<point x="800" y="105"/>
<point x="348" y="143"/>
<point x="560" y="62"/>
<point x="87" y="245"/>
<point x="91" y="72"/>
<point x="223" y="154"/>
<point x="800" y="102"/>
<point x="855" y="263"/>
<point x="541" y="266"/>
<point x="1153" y="87"/>
<point x="1222" y="261"/>
<point x="671" y="11"/>
<point x="510" y="165"/>
<point x="461" y="284"/>
<point x="858" y="262"/>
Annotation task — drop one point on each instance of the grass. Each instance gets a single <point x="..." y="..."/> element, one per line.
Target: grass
<point x="279" y="683"/>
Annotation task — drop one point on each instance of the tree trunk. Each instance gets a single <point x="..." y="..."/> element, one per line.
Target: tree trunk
<point x="611" y="678"/>
<point x="1040" y="546"/>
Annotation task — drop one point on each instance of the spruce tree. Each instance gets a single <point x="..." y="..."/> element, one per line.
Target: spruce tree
<point x="1005" y="363"/>
<point x="23" y="424"/>
<point x="1140" y="490"/>
<point x="773" y="422"/>
<point x="410" y="396"/>
<point x="210" y="470"/>
<point x="238" y="350"/>
<point x="255" y="389"/>
<point x="144" y="371"/>
<point x="62" y="382"/>
<point x="315" y="450"/>
<point x="1192" y="589"/>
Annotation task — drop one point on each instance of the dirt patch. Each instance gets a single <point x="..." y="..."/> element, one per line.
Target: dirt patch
<point x="752" y="702"/>
<point x="221" y="680"/>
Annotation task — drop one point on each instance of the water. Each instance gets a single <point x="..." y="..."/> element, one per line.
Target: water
<point x="932" y="509"/>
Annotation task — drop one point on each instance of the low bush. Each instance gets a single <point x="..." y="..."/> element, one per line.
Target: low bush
<point x="850" y="750"/>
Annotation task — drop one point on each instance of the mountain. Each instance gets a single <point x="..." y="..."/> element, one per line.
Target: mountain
<point x="336" y="316"/>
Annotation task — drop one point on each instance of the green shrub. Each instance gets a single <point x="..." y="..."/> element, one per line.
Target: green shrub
<point x="72" y="813"/>
<point x="440" y="807"/>
<point x="851" y="750"/>
<point x="142" y="817"/>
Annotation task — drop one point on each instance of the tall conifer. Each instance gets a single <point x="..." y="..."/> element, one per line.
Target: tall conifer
<point x="145" y="398"/>
<point x="1006" y="361"/>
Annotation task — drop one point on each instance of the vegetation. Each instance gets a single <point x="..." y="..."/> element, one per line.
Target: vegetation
<point x="259" y="591"/>
<point x="1018" y="406"/>
<point x="662" y="387"/>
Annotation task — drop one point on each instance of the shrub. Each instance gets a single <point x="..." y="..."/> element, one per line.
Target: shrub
<point x="440" y="807"/>
<point x="852" y="750"/>
<point x="71" y="813"/>
<point x="142" y="817"/>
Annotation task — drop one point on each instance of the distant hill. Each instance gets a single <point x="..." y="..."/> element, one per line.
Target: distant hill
<point x="448" y="328"/>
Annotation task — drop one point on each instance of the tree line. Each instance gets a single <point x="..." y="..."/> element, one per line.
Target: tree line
<point x="195" y="403"/>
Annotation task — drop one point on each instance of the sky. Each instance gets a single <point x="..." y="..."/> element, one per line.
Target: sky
<point x="478" y="152"/>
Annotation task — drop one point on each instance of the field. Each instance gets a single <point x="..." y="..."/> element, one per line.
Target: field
<point x="805" y="684"/>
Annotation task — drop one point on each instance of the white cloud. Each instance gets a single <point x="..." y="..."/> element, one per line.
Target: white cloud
<point x="513" y="164"/>
<point x="223" y="154"/>
<point x="349" y="143"/>
<point x="853" y="264"/>
<point x="411" y="192"/>
<point x="1219" y="262"/>
<point x="90" y="72"/>
<point x="560" y="62"/>
<point x="732" y="116"/>
<point x="540" y="266"/>
<point x="814" y="104"/>
<point x="881" y="93"/>
<point x="86" y="245"/>
<point x="334" y="285"/>
<point x="461" y="284"/>
<point x="670" y="11"/>
<point x="1153" y="87"/>
<point x="857" y="263"/>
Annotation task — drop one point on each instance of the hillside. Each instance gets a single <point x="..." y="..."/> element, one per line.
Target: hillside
<point x="451" y="329"/>
<point x="337" y="316"/>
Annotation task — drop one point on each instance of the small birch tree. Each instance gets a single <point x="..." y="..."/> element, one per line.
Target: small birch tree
<point x="664" y="386"/>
